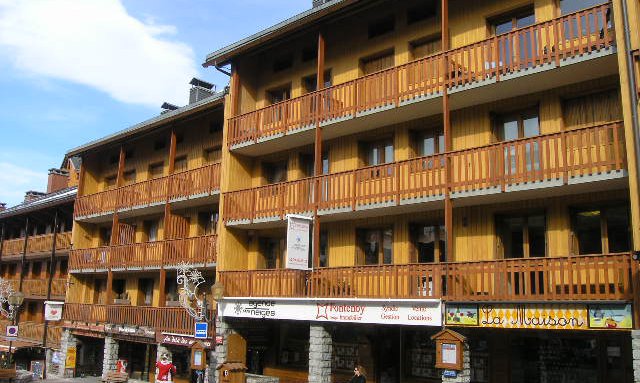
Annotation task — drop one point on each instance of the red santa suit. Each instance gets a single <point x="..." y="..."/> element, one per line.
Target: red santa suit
<point x="166" y="370"/>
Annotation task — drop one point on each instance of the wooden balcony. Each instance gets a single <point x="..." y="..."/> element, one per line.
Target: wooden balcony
<point x="54" y="335"/>
<point x="31" y="331"/>
<point x="37" y="288"/>
<point x="574" y="278"/>
<point x="12" y="248"/>
<point x="544" y="46"/>
<point x="148" y="255"/>
<point x="190" y="184"/>
<point x="36" y="244"/>
<point x="566" y="158"/>
<point x="170" y="319"/>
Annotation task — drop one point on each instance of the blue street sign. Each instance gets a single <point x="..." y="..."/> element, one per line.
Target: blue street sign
<point x="449" y="374"/>
<point x="202" y="328"/>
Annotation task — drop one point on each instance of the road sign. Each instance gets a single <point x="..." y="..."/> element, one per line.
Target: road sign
<point x="202" y="328"/>
<point x="12" y="332"/>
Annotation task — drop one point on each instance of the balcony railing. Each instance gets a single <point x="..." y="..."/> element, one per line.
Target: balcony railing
<point x="170" y="319"/>
<point x="36" y="244"/>
<point x="12" y="247"/>
<point x="195" y="182"/>
<point x="54" y="335"/>
<point x="136" y="256"/>
<point x="585" y="277"/>
<point x="38" y="287"/>
<point x="548" y="42"/>
<point x="561" y="156"/>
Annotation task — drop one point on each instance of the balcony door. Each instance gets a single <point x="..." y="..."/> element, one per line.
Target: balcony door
<point x="521" y="235"/>
<point x="272" y="250"/>
<point x="515" y="49"/>
<point x="375" y="246"/>
<point x="519" y="157"/>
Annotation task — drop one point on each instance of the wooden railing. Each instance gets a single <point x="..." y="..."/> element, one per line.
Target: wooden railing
<point x="12" y="247"/>
<point x="199" y="250"/>
<point x="59" y="287"/>
<point x="558" y="156"/>
<point x="204" y="180"/>
<point x="543" y="43"/>
<point x="585" y="277"/>
<point x="35" y="287"/>
<point x="54" y="335"/>
<point x="31" y="331"/>
<point x="42" y="243"/>
<point x="170" y="319"/>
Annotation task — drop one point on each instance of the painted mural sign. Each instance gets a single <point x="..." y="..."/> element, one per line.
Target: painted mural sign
<point x="540" y="316"/>
<point x="424" y="312"/>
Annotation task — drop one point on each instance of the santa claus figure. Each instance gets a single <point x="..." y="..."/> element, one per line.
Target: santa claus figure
<point x="165" y="370"/>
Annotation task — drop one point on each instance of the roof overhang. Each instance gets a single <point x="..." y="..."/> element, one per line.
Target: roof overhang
<point x="224" y="55"/>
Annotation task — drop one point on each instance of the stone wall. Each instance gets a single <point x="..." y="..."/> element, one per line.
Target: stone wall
<point x="110" y="354"/>
<point x="66" y="340"/>
<point x="635" y="349"/>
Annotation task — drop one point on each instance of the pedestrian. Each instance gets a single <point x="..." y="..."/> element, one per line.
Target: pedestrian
<point x="358" y="375"/>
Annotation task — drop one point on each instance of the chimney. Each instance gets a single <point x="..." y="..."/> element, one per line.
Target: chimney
<point x="33" y="195"/>
<point x="200" y="90"/>
<point x="3" y="206"/>
<point x="166" y="107"/>
<point x="58" y="180"/>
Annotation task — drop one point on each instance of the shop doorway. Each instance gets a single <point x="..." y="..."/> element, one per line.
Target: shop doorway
<point x="90" y="355"/>
<point x="140" y="358"/>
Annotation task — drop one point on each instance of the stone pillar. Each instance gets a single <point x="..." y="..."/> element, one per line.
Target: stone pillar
<point x="66" y="340"/>
<point x="219" y="355"/>
<point x="464" y="376"/>
<point x="635" y="349"/>
<point x="110" y="354"/>
<point x="320" y="353"/>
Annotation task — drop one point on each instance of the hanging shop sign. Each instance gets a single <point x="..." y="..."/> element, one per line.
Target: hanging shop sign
<point x="541" y="316"/>
<point x="423" y="312"/>
<point x="53" y="310"/>
<point x="297" y="242"/>
<point x="181" y="340"/>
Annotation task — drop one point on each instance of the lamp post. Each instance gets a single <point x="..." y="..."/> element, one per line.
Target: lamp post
<point x="15" y="301"/>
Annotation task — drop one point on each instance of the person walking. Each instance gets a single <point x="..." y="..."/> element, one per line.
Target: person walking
<point x="358" y="375"/>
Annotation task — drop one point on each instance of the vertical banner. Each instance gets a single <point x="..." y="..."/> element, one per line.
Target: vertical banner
<point x="298" y="242"/>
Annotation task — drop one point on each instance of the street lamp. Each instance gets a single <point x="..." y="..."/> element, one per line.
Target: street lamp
<point x="15" y="301"/>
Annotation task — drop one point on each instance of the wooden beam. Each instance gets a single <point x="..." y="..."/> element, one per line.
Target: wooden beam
<point x="120" y="176"/>
<point x="172" y="151"/>
<point x="162" y="301"/>
<point x="109" y="292"/>
<point x="320" y="69"/>
<point x="81" y="176"/>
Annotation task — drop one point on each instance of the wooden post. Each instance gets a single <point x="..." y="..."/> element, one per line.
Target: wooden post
<point x="24" y="252"/>
<point x="446" y="120"/>
<point x="235" y="90"/>
<point x="172" y="152"/>
<point x="162" y="301"/>
<point x="83" y="170"/>
<point x="120" y="176"/>
<point x="318" y="153"/>
<point x="109" y="292"/>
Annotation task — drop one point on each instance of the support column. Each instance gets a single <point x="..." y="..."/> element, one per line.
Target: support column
<point x="67" y="340"/>
<point x="318" y="153"/>
<point x="110" y="354"/>
<point x="635" y="349"/>
<point x="463" y="376"/>
<point x="320" y="353"/>
<point x="219" y="355"/>
<point x="446" y="121"/>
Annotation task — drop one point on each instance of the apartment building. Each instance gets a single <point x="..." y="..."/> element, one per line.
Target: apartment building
<point x="147" y="202"/>
<point x="35" y="239"/>
<point x="469" y="165"/>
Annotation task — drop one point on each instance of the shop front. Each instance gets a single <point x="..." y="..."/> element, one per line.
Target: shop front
<point x="179" y="348"/>
<point x="526" y="343"/>
<point x="137" y="350"/>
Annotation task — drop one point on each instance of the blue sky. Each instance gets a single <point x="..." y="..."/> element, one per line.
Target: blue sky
<point x="72" y="71"/>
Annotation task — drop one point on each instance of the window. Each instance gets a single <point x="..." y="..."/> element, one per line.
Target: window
<point x="517" y="47"/>
<point x="145" y="289"/>
<point x="310" y="82"/>
<point x="325" y="162"/>
<point x="280" y="94"/>
<point x="171" y="289"/>
<point x="601" y="230"/>
<point x="63" y="267"/>
<point x="379" y="152"/>
<point x="272" y="249"/>
<point x="570" y="6"/>
<point x="425" y="47"/>
<point x="381" y="26"/>
<point x="429" y="142"/>
<point x="105" y="236"/>
<point x="213" y="155"/>
<point x="119" y="291"/>
<point x="307" y="165"/>
<point x="129" y="177"/>
<point x="376" y="246"/>
<point x="156" y="170"/>
<point x="283" y="62"/>
<point x="275" y="172"/>
<point x="521" y="236"/>
<point x="207" y="222"/>
<point x="377" y="62"/>
<point x="36" y="269"/>
<point x="151" y="229"/>
<point x="422" y="12"/>
<point x="324" y="248"/>
<point x="514" y="126"/>
<point x="592" y="109"/>
<point x="180" y="164"/>
<point x="429" y="243"/>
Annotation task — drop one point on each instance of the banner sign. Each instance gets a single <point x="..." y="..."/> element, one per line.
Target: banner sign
<point x="297" y="242"/>
<point x="541" y="316"/>
<point x="423" y="312"/>
<point x="53" y="310"/>
<point x="180" y="340"/>
<point x="130" y="330"/>
<point x="71" y="358"/>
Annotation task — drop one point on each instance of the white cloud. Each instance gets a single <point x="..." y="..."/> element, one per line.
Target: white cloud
<point x="97" y="43"/>
<point x="15" y="180"/>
